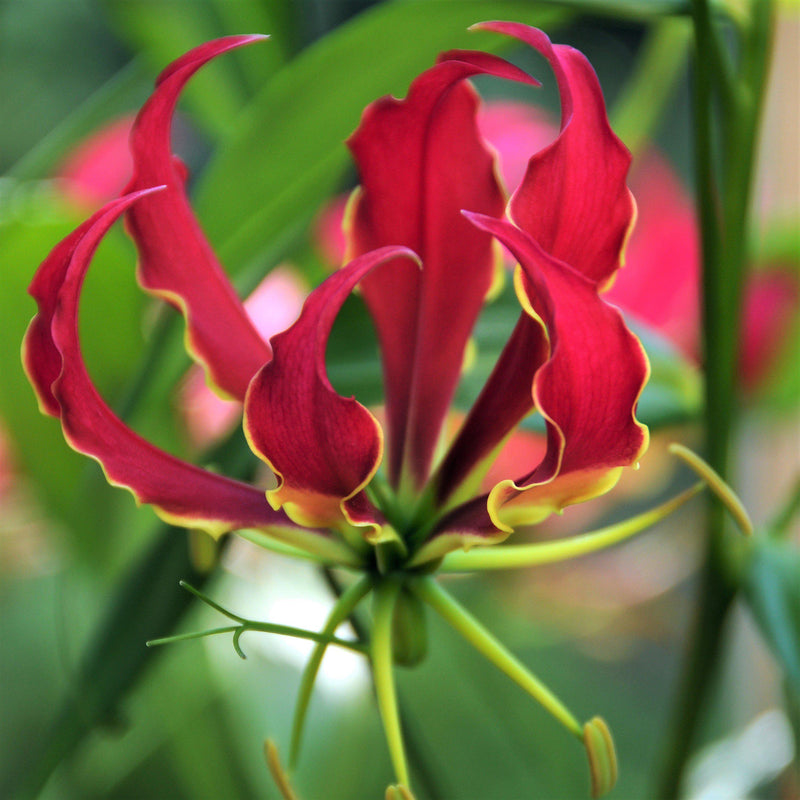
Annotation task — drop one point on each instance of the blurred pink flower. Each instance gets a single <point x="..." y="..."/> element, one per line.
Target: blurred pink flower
<point x="273" y="306"/>
<point x="100" y="166"/>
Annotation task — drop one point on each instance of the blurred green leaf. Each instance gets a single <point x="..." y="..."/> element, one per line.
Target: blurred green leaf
<point x="771" y="587"/>
<point x="286" y="154"/>
<point x="275" y="18"/>
<point x="163" y="31"/>
<point x="145" y="604"/>
<point x="121" y="94"/>
<point x="625" y="9"/>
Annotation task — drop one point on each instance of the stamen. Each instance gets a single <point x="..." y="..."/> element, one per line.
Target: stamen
<point x="308" y="545"/>
<point x="602" y="756"/>
<point x="399" y="792"/>
<point x="529" y="555"/>
<point x="479" y="637"/>
<point x="277" y="771"/>
<point x="721" y="489"/>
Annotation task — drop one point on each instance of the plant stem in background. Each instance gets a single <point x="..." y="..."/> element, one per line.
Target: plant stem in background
<point x="724" y="158"/>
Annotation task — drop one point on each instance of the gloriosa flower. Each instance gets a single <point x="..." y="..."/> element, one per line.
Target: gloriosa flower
<point x="394" y="501"/>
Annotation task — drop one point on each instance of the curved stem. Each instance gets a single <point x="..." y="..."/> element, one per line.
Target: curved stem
<point x="343" y="608"/>
<point x="479" y="637"/>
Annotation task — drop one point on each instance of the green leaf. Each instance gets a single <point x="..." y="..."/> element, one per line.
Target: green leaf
<point x="641" y="10"/>
<point x="147" y="603"/>
<point x="163" y="31"/>
<point x="771" y="587"/>
<point x="275" y="18"/>
<point x="121" y="94"/>
<point x="287" y="154"/>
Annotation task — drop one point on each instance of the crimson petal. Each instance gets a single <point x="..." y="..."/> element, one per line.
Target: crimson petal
<point x="421" y="160"/>
<point x="586" y="389"/>
<point x="573" y="199"/>
<point x="324" y="448"/>
<point x="176" y="261"/>
<point x="182" y="493"/>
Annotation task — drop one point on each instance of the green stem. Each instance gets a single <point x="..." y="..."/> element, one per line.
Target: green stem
<point x="479" y="637"/>
<point x="385" y="599"/>
<point x="528" y="555"/>
<point x="265" y="627"/>
<point x="344" y="607"/>
<point x="425" y="778"/>
<point x="723" y="210"/>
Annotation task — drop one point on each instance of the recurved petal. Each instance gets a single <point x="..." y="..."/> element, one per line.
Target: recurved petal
<point x="586" y="388"/>
<point x="176" y="261"/>
<point x="324" y="448"/>
<point x="182" y="493"/>
<point x="421" y="160"/>
<point x="573" y="199"/>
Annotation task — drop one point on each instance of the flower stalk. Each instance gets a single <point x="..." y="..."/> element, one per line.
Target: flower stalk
<point x="386" y="595"/>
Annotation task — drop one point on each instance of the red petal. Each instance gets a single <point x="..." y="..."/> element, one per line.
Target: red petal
<point x="505" y="400"/>
<point x="182" y="493"/>
<point x="175" y="260"/>
<point x="586" y="389"/>
<point x="573" y="199"/>
<point x="273" y="306"/>
<point x="324" y="448"/>
<point x="421" y="161"/>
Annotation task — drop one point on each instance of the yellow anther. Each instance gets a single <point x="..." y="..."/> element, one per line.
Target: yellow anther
<point x="602" y="757"/>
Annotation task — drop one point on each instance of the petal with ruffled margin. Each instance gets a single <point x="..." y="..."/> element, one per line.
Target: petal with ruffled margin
<point x="176" y="261"/>
<point x="573" y="199"/>
<point x="182" y="493"/>
<point x="586" y="390"/>
<point x="324" y="448"/>
<point x="421" y="160"/>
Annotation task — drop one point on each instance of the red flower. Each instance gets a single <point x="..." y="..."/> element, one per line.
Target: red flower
<point x="422" y="242"/>
<point x="429" y="185"/>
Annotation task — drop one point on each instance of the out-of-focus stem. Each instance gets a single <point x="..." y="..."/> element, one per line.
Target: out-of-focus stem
<point x="723" y="173"/>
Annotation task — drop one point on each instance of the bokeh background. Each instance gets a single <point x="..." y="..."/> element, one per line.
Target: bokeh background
<point x="262" y="132"/>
